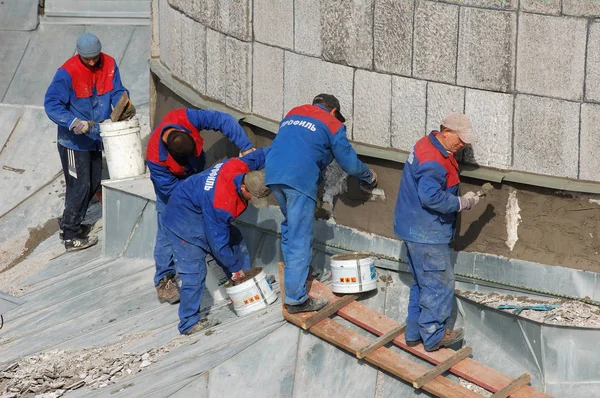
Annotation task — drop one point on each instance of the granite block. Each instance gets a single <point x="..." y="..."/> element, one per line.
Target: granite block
<point x="592" y="79"/>
<point x="409" y="100"/>
<point x="393" y="36"/>
<point x="239" y="74"/>
<point x="435" y="41"/>
<point x="441" y="100"/>
<point x="194" y="54"/>
<point x="372" y="108"/>
<point x="589" y="161"/>
<point x="274" y="22"/>
<point x="581" y="8"/>
<point x="491" y="115"/>
<point x="216" y="73"/>
<point x="347" y="32"/>
<point x="486" y="49"/>
<point x="307" y="33"/>
<point x="235" y="18"/>
<point x="541" y="6"/>
<point x="267" y="81"/>
<point x="546" y="136"/>
<point x="551" y="56"/>
<point x="305" y="77"/>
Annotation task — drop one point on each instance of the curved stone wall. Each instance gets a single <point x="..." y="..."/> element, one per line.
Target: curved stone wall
<point x="527" y="73"/>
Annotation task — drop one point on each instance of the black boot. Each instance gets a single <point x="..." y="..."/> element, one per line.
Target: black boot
<point x="308" y="305"/>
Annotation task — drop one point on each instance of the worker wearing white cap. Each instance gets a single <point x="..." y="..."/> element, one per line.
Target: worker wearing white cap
<point x="425" y="218"/>
<point x="81" y="95"/>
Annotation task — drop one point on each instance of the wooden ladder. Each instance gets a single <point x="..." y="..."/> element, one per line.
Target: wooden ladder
<point x="457" y="362"/>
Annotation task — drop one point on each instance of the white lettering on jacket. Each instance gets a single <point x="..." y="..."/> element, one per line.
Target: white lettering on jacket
<point x="299" y="123"/>
<point x="212" y="177"/>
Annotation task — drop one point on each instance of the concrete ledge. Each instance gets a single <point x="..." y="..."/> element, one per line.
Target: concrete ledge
<point x="394" y="155"/>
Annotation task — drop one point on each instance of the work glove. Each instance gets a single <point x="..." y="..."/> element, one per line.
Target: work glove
<point x="468" y="201"/>
<point x="373" y="183"/>
<point x="129" y="112"/>
<point x="80" y="126"/>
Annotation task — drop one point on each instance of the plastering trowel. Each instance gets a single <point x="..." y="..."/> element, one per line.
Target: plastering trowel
<point x="377" y="194"/>
<point x="485" y="188"/>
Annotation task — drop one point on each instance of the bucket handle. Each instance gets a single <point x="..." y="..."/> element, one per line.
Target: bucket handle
<point x="262" y="294"/>
<point x="360" y="284"/>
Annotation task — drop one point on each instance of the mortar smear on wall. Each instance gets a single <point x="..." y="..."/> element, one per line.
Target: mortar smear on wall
<point x="513" y="218"/>
<point x="335" y="184"/>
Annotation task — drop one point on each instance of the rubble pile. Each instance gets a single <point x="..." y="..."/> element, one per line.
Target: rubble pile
<point x="52" y="373"/>
<point x="568" y="313"/>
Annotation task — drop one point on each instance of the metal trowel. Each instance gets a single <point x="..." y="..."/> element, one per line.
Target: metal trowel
<point x="376" y="194"/>
<point x="485" y="188"/>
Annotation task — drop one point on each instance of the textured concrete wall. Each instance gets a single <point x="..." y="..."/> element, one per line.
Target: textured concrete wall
<point x="527" y="72"/>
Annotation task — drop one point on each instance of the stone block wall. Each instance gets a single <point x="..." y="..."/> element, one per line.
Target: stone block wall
<point x="526" y="72"/>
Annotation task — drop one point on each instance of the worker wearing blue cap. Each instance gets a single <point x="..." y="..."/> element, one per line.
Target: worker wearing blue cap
<point x="81" y="95"/>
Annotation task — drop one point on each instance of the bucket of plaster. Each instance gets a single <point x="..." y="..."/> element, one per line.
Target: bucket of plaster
<point x="353" y="273"/>
<point x="123" y="148"/>
<point x="254" y="294"/>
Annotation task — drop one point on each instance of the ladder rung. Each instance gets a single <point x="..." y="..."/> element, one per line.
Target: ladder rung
<point x="514" y="386"/>
<point x="442" y="367"/>
<point x="328" y="310"/>
<point x="382" y="340"/>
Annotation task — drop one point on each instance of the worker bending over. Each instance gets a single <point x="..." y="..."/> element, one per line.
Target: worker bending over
<point x="198" y="221"/>
<point x="175" y="152"/>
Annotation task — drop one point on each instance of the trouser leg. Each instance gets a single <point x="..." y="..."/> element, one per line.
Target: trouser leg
<point x="435" y="277"/>
<point x="297" y="236"/>
<point x="77" y="167"/>
<point x="163" y="254"/>
<point x="190" y="262"/>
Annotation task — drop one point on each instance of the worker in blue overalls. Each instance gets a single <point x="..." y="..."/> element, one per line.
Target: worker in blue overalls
<point x="175" y="152"/>
<point x="309" y="138"/>
<point x="198" y="221"/>
<point x="425" y="218"/>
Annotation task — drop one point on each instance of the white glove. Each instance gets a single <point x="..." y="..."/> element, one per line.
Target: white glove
<point x="468" y="201"/>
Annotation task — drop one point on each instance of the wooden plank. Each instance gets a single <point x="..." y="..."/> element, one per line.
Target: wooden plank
<point x="381" y="341"/>
<point x="442" y="367"/>
<point x="120" y="107"/>
<point x="328" y="310"/>
<point x="514" y="386"/>
<point x="468" y="369"/>
<point x="384" y="358"/>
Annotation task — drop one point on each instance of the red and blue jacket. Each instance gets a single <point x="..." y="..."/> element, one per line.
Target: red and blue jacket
<point x="309" y="138"/>
<point x="89" y="95"/>
<point x="165" y="172"/>
<point x="428" y="198"/>
<point x="202" y="207"/>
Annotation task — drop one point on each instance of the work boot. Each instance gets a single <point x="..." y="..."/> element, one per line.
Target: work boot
<point x="451" y="336"/>
<point x="83" y="231"/>
<point x="167" y="290"/>
<point x="202" y="324"/>
<point x="308" y="305"/>
<point x="237" y="277"/>
<point x="413" y="343"/>
<point x="75" y="244"/>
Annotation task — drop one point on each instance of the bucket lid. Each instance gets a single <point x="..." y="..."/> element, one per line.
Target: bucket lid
<point x="351" y="256"/>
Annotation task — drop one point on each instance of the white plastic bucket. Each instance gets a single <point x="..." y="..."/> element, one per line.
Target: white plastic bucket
<point x="252" y="295"/>
<point x="353" y="273"/>
<point x="123" y="148"/>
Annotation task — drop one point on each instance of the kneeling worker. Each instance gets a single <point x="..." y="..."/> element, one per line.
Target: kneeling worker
<point x="198" y="221"/>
